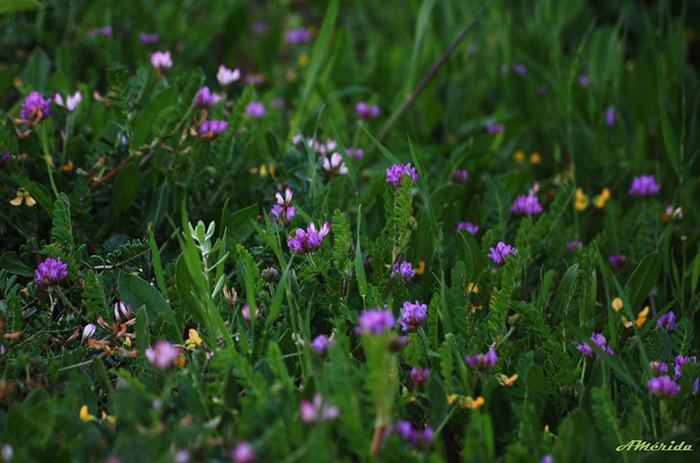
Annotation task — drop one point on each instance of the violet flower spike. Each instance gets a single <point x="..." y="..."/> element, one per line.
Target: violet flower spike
<point x="600" y="341"/>
<point x="162" y="355"/>
<point x="148" y="39"/>
<point x="356" y="153"/>
<point x="526" y="205"/>
<point x="610" y="116"/>
<point x="468" y="226"/>
<point x="667" y="320"/>
<point x="663" y="387"/>
<point x="617" y="260"/>
<point x="317" y="410"/>
<point x="460" y="176"/>
<point x="658" y="367"/>
<point x="226" y="76"/>
<point x="296" y="36"/>
<point x="482" y="362"/>
<point x="574" y="245"/>
<point x="205" y="97"/>
<point x="366" y="110"/>
<point x="396" y="173"/>
<point x="495" y="128"/>
<point x="644" y="186"/>
<point x="243" y="453"/>
<point x="375" y="321"/>
<point x="35" y="108"/>
<point x="50" y="271"/>
<point x="412" y="315"/>
<point x="255" y="109"/>
<point x="406" y="271"/>
<point x="71" y="103"/>
<point x="5" y="158"/>
<point x="335" y="165"/>
<point x="304" y="241"/>
<point x="321" y="343"/>
<point x="583" y="80"/>
<point x="419" y="376"/>
<point x="212" y="128"/>
<point x="162" y="61"/>
<point x="501" y="252"/>
<point x="284" y="210"/>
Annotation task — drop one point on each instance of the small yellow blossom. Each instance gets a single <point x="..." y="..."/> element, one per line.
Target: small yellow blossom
<point x="642" y="317"/>
<point x="472" y="288"/>
<point x="194" y="340"/>
<point x="109" y="419"/>
<point x="600" y="200"/>
<point x="474" y="404"/>
<point x="506" y="381"/>
<point x="421" y="268"/>
<point x="127" y="342"/>
<point x="626" y="323"/>
<point x="581" y="200"/>
<point x="535" y="158"/>
<point x="452" y="398"/>
<point x="617" y="304"/>
<point x="68" y="167"/>
<point x="476" y="307"/>
<point x="180" y="361"/>
<point x="519" y="156"/>
<point x="23" y="196"/>
<point x="85" y="415"/>
<point x="304" y="60"/>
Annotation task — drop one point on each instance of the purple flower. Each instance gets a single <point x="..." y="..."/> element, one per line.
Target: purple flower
<point x="600" y="341"/>
<point x="50" y="271"/>
<point x="254" y="79"/>
<point x="205" y="98"/>
<point x="583" y="80"/>
<point x="617" y="260"/>
<point x="162" y="355"/>
<point x="284" y="210"/>
<point x="212" y="128"/>
<point x="255" y="109"/>
<point x="417" y="439"/>
<point x="412" y="315"/>
<point x="547" y="459"/>
<point x="269" y="273"/>
<point x="317" y="410"/>
<point x="574" y="245"/>
<point x="71" y="103"/>
<point x="225" y="76"/>
<point x="526" y="205"/>
<point x="644" y="186"/>
<point x="259" y="27"/>
<point x="162" y="61"/>
<point x="245" y="310"/>
<point x="520" y="69"/>
<point x="5" y="158"/>
<point x="460" y="176"/>
<point x="481" y="361"/>
<point x="298" y="36"/>
<point x="468" y="226"/>
<point x="375" y="321"/>
<point x="307" y="240"/>
<point x="501" y="252"/>
<point x="395" y="173"/>
<point x="610" y="116"/>
<point x="658" y="367"/>
<point x="243" y="453"/>
<point x="663" y="386"/>
<point x="148" y="39"/>
<point x="89" y="330"/>
<point x="405" y="269"/>
<point x="321" y="343"/>
<point x="35" y="108"/>
<point x="419" y="376"/>
<point x="680" y="361"/>
<point x="669" y="320"/>
<point x="366" y="110"/>
<point x="356" y="153"/>
<point x="121" y="308"/>
<point x="495" y="128"/>
<point x="335" y="164"/>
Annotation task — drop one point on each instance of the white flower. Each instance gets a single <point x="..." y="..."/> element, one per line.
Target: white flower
<point x="335" y="164"/>
<point x="89" y="330"/>
<point x="225" y="76"/>
<point x="71" y="102"/>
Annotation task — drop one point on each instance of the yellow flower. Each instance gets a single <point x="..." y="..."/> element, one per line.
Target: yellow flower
<point x="642" y="317"/>
<point x="194" y="340"/>
<point x="470" y="403"/>
<point x="127" y="342"/>
<point x="111" y="420"/>
<point x="85" y="415"/>
<point x="519" y="156"/>
<point x="506" y="381"/>
<point x="472" y="288"/>
<point x="291" y="75"/>
<point x="180" y="361"/>
<point x="626" y="323"/>
<point x="476" y="307"/>
<point x="421" y="268"/>
<point x="581" y="200"/>
<point x="617" y="304"/>
<point x="23" y="196"/>
<point x="68" y="167"/>
<point x="535" y="158"/>
<point x="600" y="200"/>
<point x="452" y="398"/>
<point x="304" y="60"/>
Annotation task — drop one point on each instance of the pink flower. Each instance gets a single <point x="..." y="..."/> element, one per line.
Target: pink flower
<point x="161" y="60"/>
<point x="162" y="355"/>
<point x="335" y="164"/>
<point x="284" y="210"/>
<point x="317" y="410"/>
<point x="71" y="102"/>
<point x="243" y="453"/>
<point x="123" y="309"/>
<point x="226" y="76"/>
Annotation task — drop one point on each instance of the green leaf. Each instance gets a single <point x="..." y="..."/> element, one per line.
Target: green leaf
<point x="143" y="334"/>
<point x="13" y="6"/>
<point x="62" y="230"/>
<point x="36" y="70"/>
<point x="671" y="142"/>
<point x="138" y="293"/>
<point x="642" y="280"/>
<point x="605" y="416"/>
<point x="359" y="262"/>
<point x="572" y="441"/>
<point x="126" y="187"/>
<point x="99" y="369"/>
<point x="438" y="401"/>
<point x="11" y="262"/>
<point x="239" y="225"/>
<point x="144" y="123"/>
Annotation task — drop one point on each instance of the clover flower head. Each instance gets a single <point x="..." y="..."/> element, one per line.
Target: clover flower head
<point x="644" y="186"/>
<point x="148" y="39"/>
<point x="317" y="410"/>
<point x="481" y="361"/>
<point x="610" y="116"/>
<point x="161" y="60"/>
<point x="600" y="341"/>
<point x="501" y="252"/>
<point x="667" y="320"/>
<point x="366" y="110"/>
<point x="35" y="108"/>
<point x="296" y="36"/>
<point x="412" y="315"/>
<point x="527" y="205"/>
<point x="162" y="355"/>
<point x="419" y="440"/>
<point x="355" y="153"/>
<point x="255" y="109"/>
<point x="304" y="241"/>
<point x="283" y="210"/>
<point x="71" y="102"/>
<point x="658" y="367"/>
<point x="405" y="269"/>
<point x="226" y="76"/>
<point x="519" y="69"/>
<point x="375" y="321"/>
<point x="495" y="128"/>
<point x="245" y="310"/>
<point x="396" y="173"/>
<point x="468" y="226"/>
<point x="574" y="245"/>
<point x="460" y="176"/>
<point x="205" y="97"/>
<point x="663" y="387"/>
<point x="50" y="271"/>
<point x="419" y="376"/>
<point x="212" y="128"/>
<point x="321" y="343"/>
<point x="680" y="361"/>
<point x="243" y="453"/>
<point x="617" y="260"/>
<point x="335" y="164"/>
